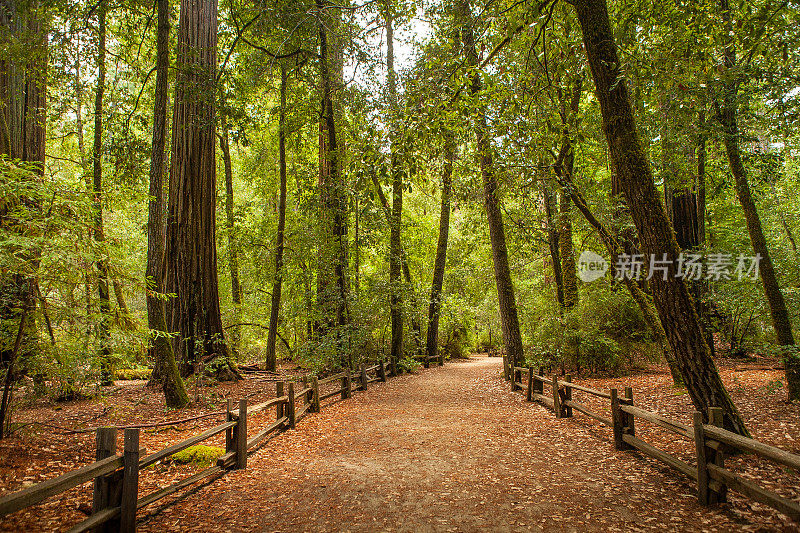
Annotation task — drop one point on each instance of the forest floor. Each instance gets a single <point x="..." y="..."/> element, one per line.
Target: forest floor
<point x="446" y="449"/>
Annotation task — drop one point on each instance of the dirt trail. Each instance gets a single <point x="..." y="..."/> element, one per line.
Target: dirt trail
<point x="449" y="449"/>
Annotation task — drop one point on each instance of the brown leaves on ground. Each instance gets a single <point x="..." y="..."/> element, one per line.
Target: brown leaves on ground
<point x="449" y="449"/>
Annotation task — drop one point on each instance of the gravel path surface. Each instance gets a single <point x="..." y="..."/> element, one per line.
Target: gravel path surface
<point x="448" y="449"/>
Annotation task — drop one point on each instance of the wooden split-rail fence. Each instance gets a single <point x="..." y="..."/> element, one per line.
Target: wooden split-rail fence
<point x="711" y="441"/>
<point x="115" y="494"/>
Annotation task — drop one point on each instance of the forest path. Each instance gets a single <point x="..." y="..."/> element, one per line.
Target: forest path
<point x="448" y="449"/>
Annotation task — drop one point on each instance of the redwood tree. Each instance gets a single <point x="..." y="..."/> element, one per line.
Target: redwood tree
<point x="191" y="252"/>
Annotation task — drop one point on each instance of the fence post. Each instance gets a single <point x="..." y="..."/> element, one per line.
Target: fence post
<point x="514" y="374"/>
<point x="279" y="409"/>
<point x="315" y="395"/>
<point x="529" y="392"/>
<point x="364" y="377"/>
<point x="348" y="382"/>
<point x="556" y="399"/>
<point x="568" y="396"/>
<point x="426" y="360"/>
<point x="240" y="436"/>
<point x="130" y="481"/>
<point x="290" y="405"/>
<point x="702" y="460"/>
<point x="229" y="431"/>
<point x="617" y="422"/>
<point x="382" y="370"/>
<point x="538" y="385"/>
<point x="628" y="420"/>
<point x="715" y="418"/>
<point x="106" y="442"/>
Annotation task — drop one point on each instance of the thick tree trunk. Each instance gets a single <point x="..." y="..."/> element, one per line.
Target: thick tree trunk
<point x="23" y="93"/>
<point x="103" y="327"/>
<point x="332" y="273"/>
<point x="671" y="296"/>
<point x="233" y="243"/>
<point x="435" y="305"/>
<point x="165" y="369"/>
<point x="395" y="260"/>
<point x="728" y="112"/>
<point x="271" y="362"/>
<point x="512" y="338"/>
<point x="194" y="313"/>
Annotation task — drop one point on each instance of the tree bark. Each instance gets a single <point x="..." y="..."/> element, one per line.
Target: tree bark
<point x="165" y="369"/>
<point x="728" y="112"/>
<point x="671" y="296"/>
<point x="271" y="362"/>
<point x="569" y="271"/>
<point x="435" y="305"/>
<point x="512" y="338"/>
<point x="194" y="313"/>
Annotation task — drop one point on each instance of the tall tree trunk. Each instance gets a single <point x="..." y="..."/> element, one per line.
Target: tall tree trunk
<point x="395" y="261"/>
<point x="387" y="213"/>
<point x="671" y="296"/>
<point x="569" y="271"/>
<point x="435" y="305"/>
<point x="728" y="112"/>
<point x="23" y="93"/>
<point x="233" y="243"/>
<point x="332" y="273"/>
<point x="552" y="242"/>
<point x="103" y="327"/>
<point x="512" y="338"/>
<point x="165" y="368"/>
<point x="271" y="362"/>
<point x="191" y="251"/>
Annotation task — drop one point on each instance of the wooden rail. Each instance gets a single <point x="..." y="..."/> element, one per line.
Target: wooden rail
<point x="711" y="440"/>
<point x="116" y="477"/>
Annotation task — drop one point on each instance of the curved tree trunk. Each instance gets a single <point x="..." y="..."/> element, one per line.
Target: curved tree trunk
<point x="769" y="279"/>
<point x="671" y="296"/>
<point x="512" y="338"/>
<point x="194" y="313"/>
<point x="435" y="305"/>
<point x="271" y="362"/>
